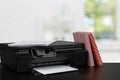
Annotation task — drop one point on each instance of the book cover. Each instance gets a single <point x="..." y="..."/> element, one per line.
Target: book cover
<point x="96" y="54"/>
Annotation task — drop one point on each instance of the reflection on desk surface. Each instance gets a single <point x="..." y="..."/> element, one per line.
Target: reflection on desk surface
<point x="106" y="72"/>
<point x="92" y="73"/>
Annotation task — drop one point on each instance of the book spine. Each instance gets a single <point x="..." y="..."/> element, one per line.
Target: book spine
<point x="96" y="54"/>
<point x="82" y="37"/>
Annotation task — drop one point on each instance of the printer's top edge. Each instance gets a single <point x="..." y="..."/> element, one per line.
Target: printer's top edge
<point x="55" y="44"/>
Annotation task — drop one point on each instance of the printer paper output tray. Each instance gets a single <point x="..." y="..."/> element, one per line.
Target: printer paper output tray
<point x="25" y="58"/>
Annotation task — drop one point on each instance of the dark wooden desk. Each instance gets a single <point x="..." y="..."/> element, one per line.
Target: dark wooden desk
<point x="109" y="71"/>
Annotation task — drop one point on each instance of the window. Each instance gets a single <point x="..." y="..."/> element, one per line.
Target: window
<point x="100" y="15"/>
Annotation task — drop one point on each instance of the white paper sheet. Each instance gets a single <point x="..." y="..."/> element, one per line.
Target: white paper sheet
<point x="54" y="69"/>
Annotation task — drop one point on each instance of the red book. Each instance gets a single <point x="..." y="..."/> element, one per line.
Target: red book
<point x="96" y="55"/>
<point x="83" y="37"/>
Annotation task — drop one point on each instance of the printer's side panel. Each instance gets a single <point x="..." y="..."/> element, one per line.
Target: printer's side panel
<point x="15" y="61"/>
<point x="79" y="58"/>
<point x="8" y="58"/>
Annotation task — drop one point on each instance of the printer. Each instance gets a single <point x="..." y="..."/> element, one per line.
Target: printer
<point x="23" y="57"/>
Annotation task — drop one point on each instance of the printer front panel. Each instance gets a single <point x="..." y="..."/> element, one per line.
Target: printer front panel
<point x="47" y="56"/>
<point x="23" y="59"/>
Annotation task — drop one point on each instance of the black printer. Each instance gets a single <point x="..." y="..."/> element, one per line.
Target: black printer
<point x="24" y="57"/>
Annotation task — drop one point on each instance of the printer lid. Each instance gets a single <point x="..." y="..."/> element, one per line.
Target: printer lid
<point x="30" y="43"/>
<point x="66" y="45"/>
<point x="57" y="43"/>
<point x="43" y="44"/>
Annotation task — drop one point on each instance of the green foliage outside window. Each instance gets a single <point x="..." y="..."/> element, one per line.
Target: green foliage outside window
<point x="98" y="10"/>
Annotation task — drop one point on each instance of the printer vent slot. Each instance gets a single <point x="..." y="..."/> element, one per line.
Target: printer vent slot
<point x="23" y="52"/>
<point x="69" y="49"/>
<point x="49" y="63"/>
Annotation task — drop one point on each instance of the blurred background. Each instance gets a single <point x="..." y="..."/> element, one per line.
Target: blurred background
<point x="48" y="20"/>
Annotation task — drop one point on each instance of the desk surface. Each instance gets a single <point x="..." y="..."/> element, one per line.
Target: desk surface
<point x="109" y="71"/>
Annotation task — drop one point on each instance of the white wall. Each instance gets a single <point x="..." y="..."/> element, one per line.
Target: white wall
<point x="17" y="20"/>
<point x="23" y="20"/>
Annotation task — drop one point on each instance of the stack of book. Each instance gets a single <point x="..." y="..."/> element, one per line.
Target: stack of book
<point x="87" y="38"/>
